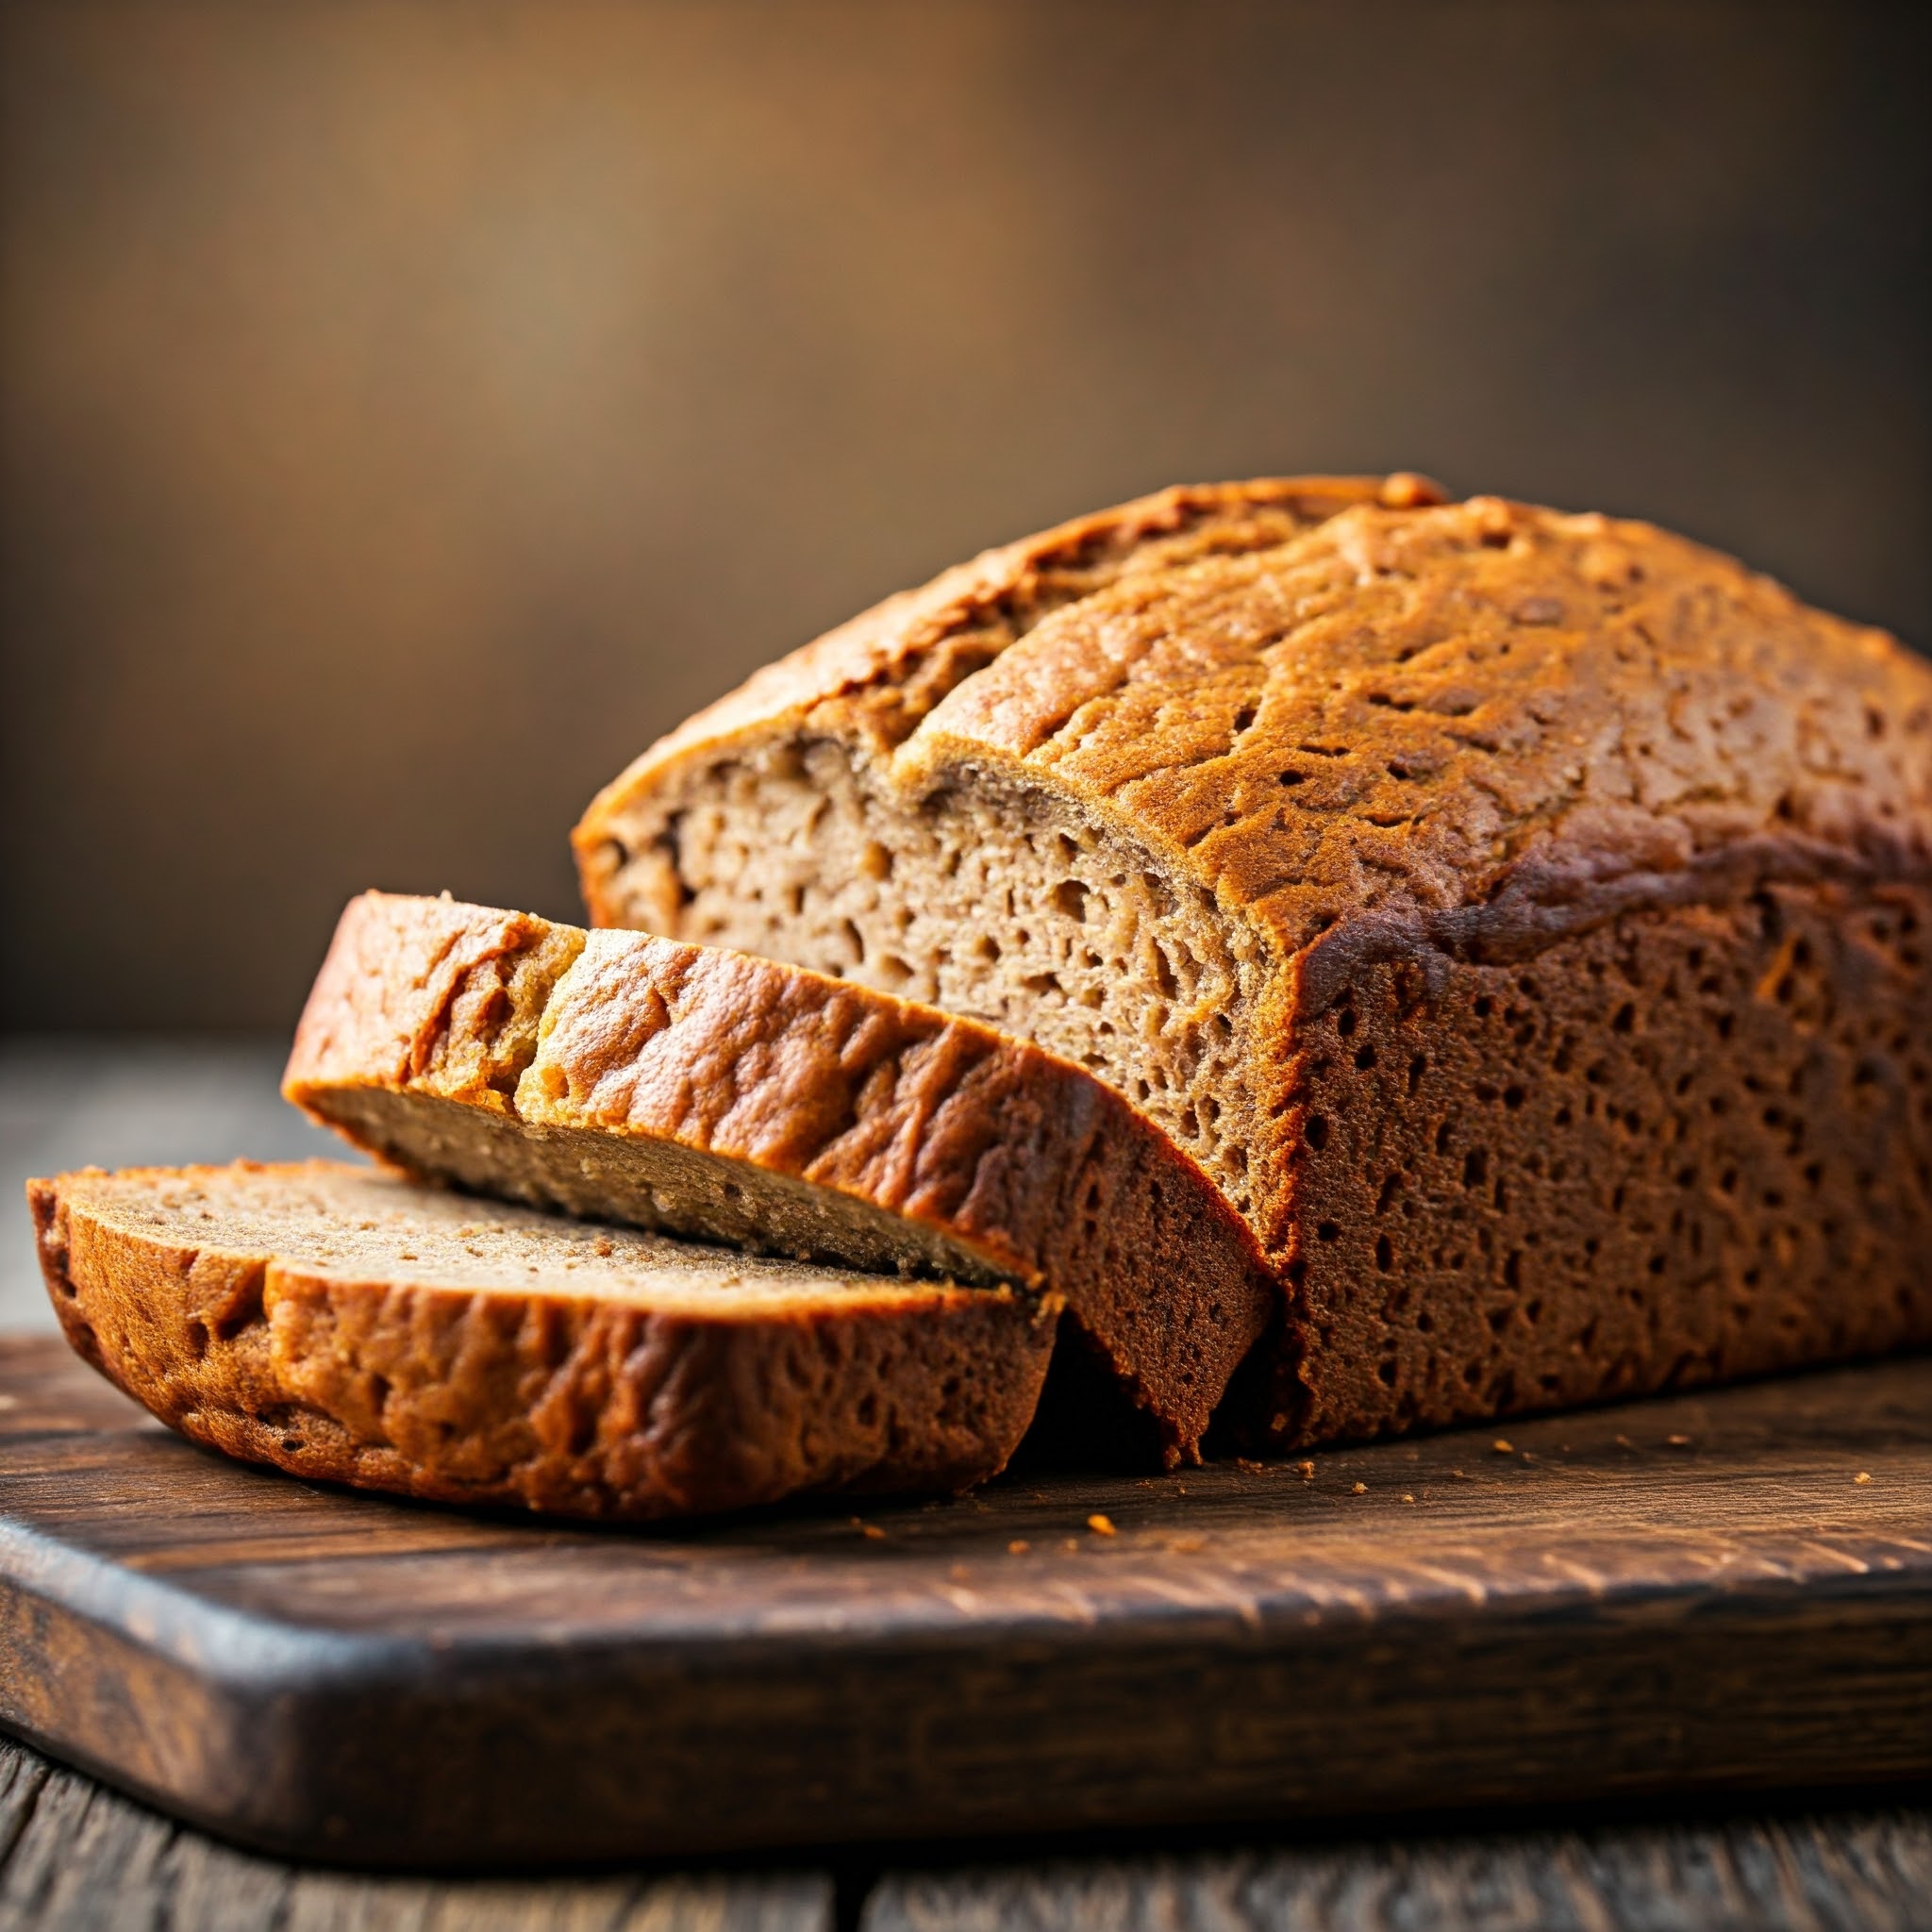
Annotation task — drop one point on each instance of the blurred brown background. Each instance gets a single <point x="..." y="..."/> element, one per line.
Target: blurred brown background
<point x="410" y="411"/>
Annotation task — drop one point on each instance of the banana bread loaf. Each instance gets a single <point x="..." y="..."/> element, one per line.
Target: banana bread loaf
<point x="1522" y="917"/>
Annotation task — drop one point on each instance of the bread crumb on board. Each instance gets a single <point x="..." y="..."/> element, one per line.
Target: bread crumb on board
<point x="1101" y="1525"/>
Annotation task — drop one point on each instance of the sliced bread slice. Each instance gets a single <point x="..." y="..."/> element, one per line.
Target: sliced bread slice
<point x="346" y="1326"/>
<point x="706" y="1093"/>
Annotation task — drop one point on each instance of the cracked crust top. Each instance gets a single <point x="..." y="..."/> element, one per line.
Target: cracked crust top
<point x="1331" y="704"/>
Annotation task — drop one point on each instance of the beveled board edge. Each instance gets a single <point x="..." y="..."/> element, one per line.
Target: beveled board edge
<point x="311" y="1744"/>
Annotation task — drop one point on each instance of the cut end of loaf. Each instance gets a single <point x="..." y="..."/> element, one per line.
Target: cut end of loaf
<point x="1008" y="906"/>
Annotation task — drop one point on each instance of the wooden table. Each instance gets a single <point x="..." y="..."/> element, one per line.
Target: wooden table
<point x="72" y="1853"/>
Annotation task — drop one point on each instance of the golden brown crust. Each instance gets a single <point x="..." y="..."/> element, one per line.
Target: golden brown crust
<point x="581" y="1404"/>
<point x="1370" y="704"/>
<point x="1037" y="1170"/>
<point x="1532" y="720"/>
<point x="443" y="992"/>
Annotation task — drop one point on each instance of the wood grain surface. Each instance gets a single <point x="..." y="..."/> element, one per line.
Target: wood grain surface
<point x="1867" y="1870"/>
<point x="1724" y="1592"/>
<point x="74" y="1857"/>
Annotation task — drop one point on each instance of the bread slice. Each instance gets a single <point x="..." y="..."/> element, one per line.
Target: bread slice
<point x="702" y="1092"/>
<point x="346" y="1326"/>
<point x="1522" y="917"/>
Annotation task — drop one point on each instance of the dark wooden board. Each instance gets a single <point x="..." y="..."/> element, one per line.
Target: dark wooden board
<point x="1686" y="1594"/>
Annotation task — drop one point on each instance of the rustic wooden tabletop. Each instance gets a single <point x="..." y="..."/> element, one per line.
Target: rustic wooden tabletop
<point x="74" y="1854"/>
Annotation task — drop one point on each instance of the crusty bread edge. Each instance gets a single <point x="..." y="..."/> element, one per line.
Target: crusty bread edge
<point x="574" y="1406"/>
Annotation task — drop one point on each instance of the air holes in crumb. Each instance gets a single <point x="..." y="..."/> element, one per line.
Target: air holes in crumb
<point x="1625" y="1019"/>
<point x="1070" y="899"/>
<point x="1315" y="1132"/>
<point x="1385" y="1253"/>
<point x="1329" y="1231"/>
<point x="1243" y="719"/>
<point x="1417" y="1068"/>
<point x="875" y="861"/>
<point x="197" y="1337"/>
<point x="1365" y="1057"/>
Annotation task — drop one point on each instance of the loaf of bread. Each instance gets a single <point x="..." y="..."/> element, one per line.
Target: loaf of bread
<point x="346" y="1326"/>
<point x="704" y="1093"/>
<point x="1522" y="917"/>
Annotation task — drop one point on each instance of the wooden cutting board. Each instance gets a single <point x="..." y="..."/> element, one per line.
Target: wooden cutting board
<point x="1722" y="1590"/>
